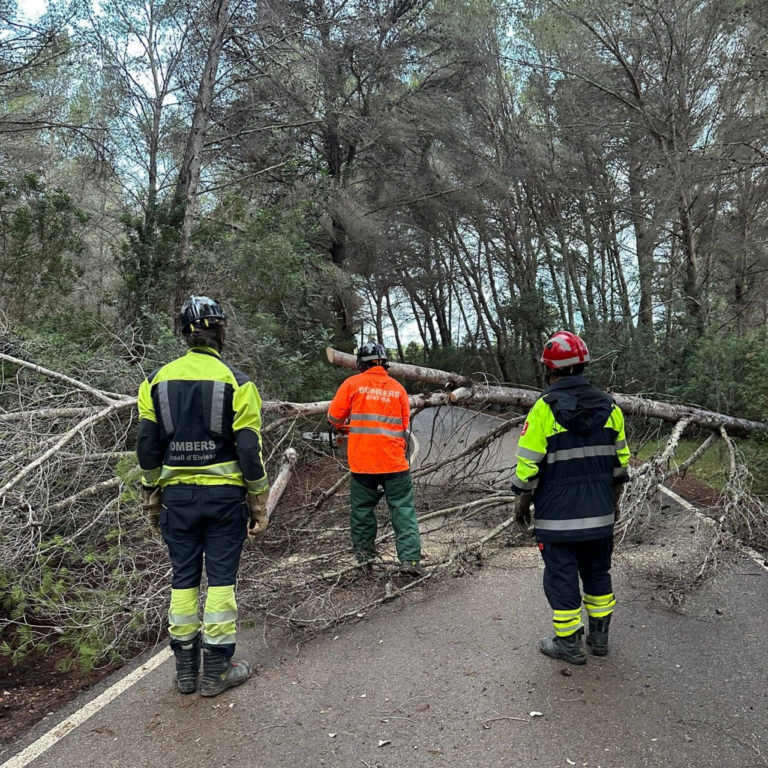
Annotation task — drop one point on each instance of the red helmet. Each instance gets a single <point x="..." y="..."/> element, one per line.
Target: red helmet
<point x="564" y="349"/>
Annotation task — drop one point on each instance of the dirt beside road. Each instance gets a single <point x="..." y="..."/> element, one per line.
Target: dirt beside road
<point x="37" y="687"/>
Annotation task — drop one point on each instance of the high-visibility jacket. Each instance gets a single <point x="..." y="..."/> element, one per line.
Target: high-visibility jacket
<point x="200" y="424"/>
<point x="375" y="409"/>
<point x="571" y="453"/>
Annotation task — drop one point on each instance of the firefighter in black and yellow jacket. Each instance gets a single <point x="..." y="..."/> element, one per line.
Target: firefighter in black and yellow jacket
<point x="572" y="460"/>
<point x="205" y="489"/>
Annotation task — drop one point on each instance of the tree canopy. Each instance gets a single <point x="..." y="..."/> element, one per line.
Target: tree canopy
<point x="453" y="178"/>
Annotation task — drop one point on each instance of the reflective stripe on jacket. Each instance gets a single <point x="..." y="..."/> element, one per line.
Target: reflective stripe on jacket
<point x="375" y="409"/>
<point x="200" y="424"/>
<point x="571" y="452"/>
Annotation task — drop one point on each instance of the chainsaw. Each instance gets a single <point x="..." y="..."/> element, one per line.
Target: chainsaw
<point x="330" y="438"/>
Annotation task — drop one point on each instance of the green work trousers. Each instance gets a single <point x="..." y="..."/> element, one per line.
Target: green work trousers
<point x="365" y="493"/>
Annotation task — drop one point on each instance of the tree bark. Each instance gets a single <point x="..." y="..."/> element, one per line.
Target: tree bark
<point x="395" y="329"/>
<point x="280" y="483"/>
<point x="185" y="194"/>
<point x="522" y="398"/>
<point x="402" y="371"/>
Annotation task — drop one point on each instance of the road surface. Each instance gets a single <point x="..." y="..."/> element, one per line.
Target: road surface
<point x="450" y="677"/>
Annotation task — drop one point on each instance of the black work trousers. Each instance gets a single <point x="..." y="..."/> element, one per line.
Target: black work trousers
<point x="204" y="524"/>
<point x="565" y="562"/>
<point x="204" y="520"/>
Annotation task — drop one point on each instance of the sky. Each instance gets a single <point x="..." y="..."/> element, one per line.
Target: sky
<point x="32" y="9"/>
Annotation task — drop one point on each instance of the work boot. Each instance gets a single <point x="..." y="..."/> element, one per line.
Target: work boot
<point x="220" y="673"/>
<point x="188" y="665"/>
<point x="413" y="568"/>
<point x="598" y="635"/>
<point x="570" y="648"/>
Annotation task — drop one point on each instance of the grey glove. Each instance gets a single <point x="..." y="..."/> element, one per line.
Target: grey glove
<point x="523" y="512"/>
<point x="257" y="504"/>
<point x="152" y="502"/>
<point x="618" y="491"/>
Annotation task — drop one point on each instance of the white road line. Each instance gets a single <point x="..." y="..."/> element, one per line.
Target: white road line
<point x="58" y="732"/>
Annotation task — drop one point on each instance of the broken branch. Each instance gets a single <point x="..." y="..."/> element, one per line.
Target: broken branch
<point x="106" y="397"/>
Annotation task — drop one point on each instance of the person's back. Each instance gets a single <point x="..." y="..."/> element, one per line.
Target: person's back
<point x="203" y="478"/>
<point x="202" y="403"/>
<point x="374" y="410"/>
<point x="572" y="459"/>
<point x="574" y="433"/>
<point x="377" y="423"/>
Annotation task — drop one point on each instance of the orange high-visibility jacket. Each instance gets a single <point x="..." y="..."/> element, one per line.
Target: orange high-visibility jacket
<point x="379" y="412"/>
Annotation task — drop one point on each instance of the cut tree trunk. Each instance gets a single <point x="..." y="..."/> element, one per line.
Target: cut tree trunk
<point x="470" y="392"/>
<point x="281" y="481"/>
<point x="403" y="371"/>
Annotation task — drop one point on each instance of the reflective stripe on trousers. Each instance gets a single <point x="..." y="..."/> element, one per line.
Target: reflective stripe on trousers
<point x="567" y="622"/>
<point x="220" y="616"/>
<point x="183" y="617"/>
<point x="600" y="606"/>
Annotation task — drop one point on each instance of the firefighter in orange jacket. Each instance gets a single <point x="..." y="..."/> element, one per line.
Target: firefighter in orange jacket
<point x="374" y="410"/>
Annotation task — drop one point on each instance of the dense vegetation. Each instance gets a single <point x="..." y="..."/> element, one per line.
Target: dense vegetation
<point x="455" y="178"/>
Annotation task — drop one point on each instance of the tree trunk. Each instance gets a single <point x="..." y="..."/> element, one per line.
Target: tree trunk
<point x="468" y="391"/>
<point x="185" y="195"/>
<point x="402" y="371"/>
<point x="395" y="329"/>
<point x="644" y="244"/>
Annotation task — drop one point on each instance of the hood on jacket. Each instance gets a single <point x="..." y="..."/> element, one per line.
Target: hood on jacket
<point x="577" y="405"/>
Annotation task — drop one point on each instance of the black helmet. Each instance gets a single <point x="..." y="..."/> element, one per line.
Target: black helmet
<point x="201" y="310"/>
<point x="371" y="353"/>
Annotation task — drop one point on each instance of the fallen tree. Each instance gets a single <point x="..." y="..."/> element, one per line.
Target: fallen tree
<point x="78" y="565"/>
<point x="740" y="513"/>
<point x="468" y="392"/>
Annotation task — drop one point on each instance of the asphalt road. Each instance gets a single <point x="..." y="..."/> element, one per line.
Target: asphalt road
<point x="449" y="677"/>
<point x="444" y="432"/>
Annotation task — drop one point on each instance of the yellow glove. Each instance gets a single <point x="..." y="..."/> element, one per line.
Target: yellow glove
<point x="152" y="501"/>
<point x="257" y="503"/>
